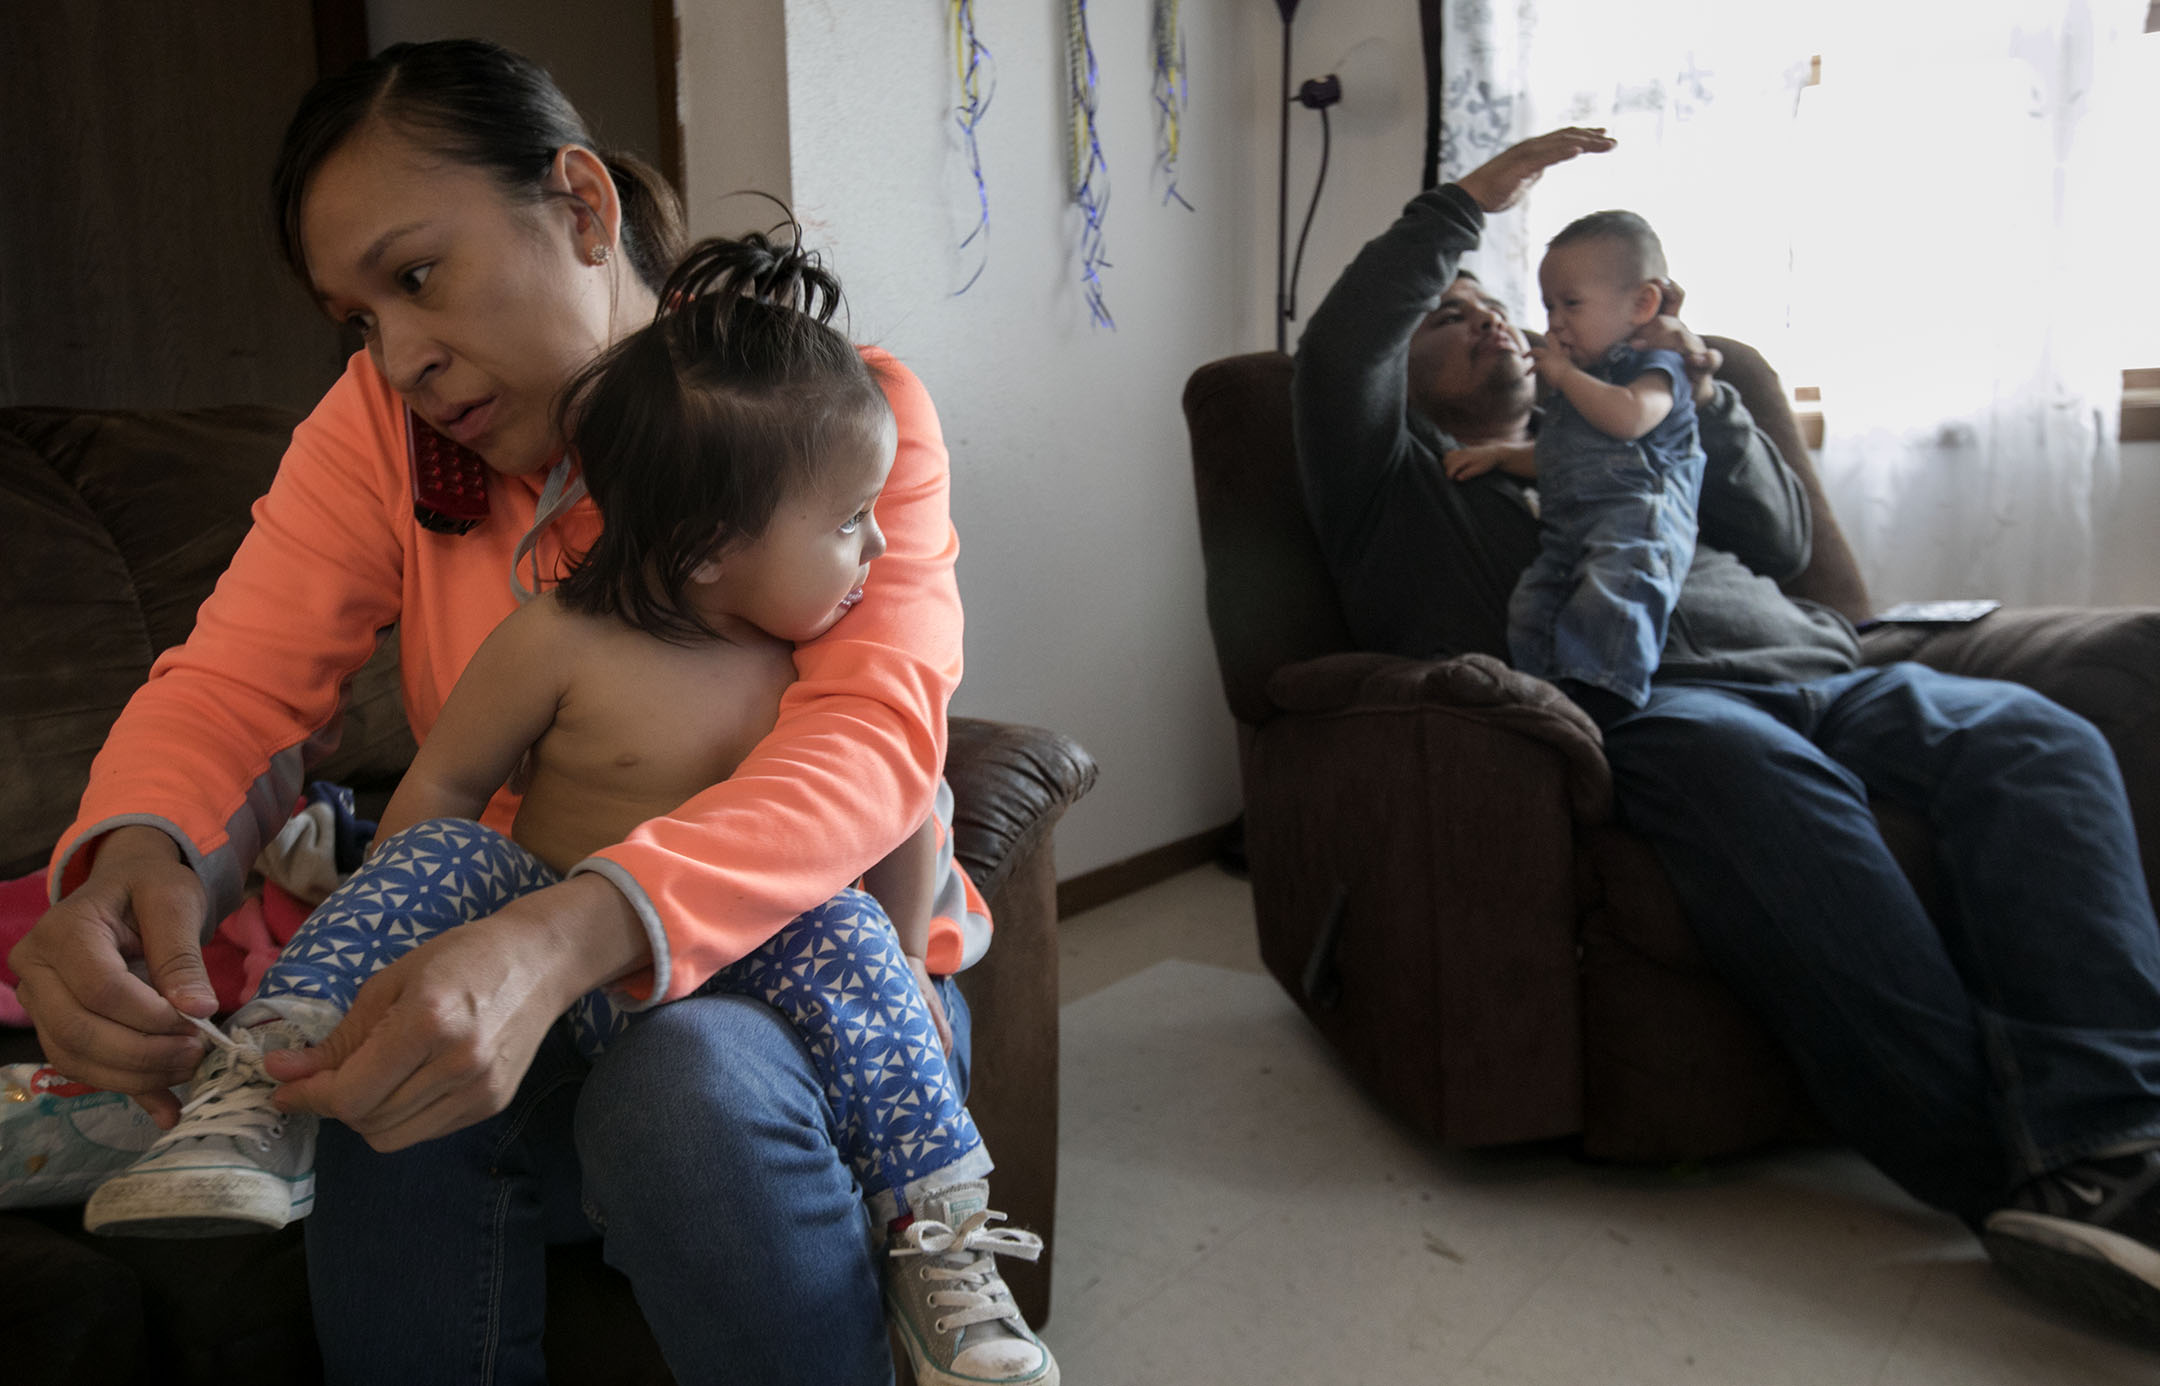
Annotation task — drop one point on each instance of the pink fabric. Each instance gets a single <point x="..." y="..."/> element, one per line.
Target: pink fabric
<point x="282" y="913"/>
<point x="241" y="937"/>
<point x="21" y="902"/>
<point x="246" y="942"/>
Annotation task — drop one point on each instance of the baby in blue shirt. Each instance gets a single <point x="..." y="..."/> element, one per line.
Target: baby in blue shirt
<point x="1619" y="469"/>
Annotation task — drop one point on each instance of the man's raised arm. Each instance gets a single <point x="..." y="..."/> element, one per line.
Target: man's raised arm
<point x="1352" y="378"/>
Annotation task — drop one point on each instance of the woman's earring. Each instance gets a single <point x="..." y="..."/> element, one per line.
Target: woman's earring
<point x="599" y="253"/>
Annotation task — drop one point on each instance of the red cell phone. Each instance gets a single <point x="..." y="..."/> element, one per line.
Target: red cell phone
<point x="449" y="480"/>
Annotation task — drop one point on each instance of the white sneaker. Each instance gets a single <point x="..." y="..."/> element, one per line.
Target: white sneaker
<point x="233" y="1164"/>
<point x="954" y="1313"/>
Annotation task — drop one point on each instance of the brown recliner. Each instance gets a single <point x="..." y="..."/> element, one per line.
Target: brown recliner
<point x="1437" y="878"/>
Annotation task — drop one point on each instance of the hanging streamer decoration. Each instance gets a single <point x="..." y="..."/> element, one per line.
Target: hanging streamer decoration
<point x="978" y="82"/>
<point x="1169" y="96"/>
<point x="1089" y="173"/>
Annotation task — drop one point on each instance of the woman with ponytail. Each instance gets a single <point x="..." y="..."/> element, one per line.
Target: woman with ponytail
<point x="446" y="202"/>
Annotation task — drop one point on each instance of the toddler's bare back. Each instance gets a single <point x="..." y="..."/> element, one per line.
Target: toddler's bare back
<point x="642" y="727"/>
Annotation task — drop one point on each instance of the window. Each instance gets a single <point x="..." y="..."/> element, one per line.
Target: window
<point x="2140" y="308"/>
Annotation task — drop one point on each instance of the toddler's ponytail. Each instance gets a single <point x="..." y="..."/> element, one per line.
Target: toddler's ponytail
<point x="754" y="266"/>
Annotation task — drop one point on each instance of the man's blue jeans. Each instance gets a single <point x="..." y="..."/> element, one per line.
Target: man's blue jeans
<point x="703" y="1146"/>
<point x="1963" y="1055"/>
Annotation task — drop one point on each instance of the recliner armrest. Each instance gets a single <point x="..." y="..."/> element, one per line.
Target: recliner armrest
<point x="1474" y="686"/>
<point x="1411" y="826"/>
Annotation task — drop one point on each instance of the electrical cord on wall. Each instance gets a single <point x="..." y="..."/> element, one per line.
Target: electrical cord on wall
<point x="1317" y="95"/>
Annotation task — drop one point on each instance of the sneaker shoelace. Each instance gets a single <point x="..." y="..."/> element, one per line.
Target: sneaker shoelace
<point x="960" y="1260"/>
<point x="234" y="1101"/>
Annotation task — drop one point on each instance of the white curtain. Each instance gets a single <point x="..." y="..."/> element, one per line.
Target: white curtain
<point x="1938" y="212"/>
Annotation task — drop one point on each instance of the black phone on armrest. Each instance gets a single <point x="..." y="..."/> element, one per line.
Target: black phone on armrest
<point x="449" y="480"/>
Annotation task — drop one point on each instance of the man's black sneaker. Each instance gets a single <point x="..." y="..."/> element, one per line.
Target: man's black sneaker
<point x="2087" y="1237"/>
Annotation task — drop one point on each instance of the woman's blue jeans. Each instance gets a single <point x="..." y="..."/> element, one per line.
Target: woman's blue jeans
<point x="702" y="1147"/>
<point x="1965" y="1054"/>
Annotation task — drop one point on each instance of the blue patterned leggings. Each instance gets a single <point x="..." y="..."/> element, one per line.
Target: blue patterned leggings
<point x="837" y="973"/>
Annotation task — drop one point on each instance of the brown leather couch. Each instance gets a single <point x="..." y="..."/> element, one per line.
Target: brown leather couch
<point x="1437" y="878"/>
<point x="113" y="527"/>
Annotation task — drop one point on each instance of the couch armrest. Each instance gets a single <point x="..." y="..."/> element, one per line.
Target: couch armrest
<point x="1010" y="785"/>
<point x="1475" y="686"/>
<point x="2101" y="663"/>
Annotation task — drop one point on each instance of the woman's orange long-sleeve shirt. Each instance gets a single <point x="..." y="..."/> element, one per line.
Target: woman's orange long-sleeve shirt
<point x="214" y="748"/>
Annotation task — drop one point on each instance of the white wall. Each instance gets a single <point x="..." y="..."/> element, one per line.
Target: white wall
<point x="1080" y="563"/>
<point x="732" y="99"/>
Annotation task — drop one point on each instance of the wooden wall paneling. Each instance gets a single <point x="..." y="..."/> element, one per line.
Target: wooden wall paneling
<point x="341" y="34"/>
<point x="667" y="90"/>
<point x="138" y="266"/>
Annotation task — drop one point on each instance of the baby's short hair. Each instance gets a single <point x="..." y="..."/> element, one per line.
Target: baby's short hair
<point x="1645" y="256"/>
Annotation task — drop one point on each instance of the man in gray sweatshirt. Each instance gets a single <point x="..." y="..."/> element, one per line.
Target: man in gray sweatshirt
<point x="2002" y="1064"/>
